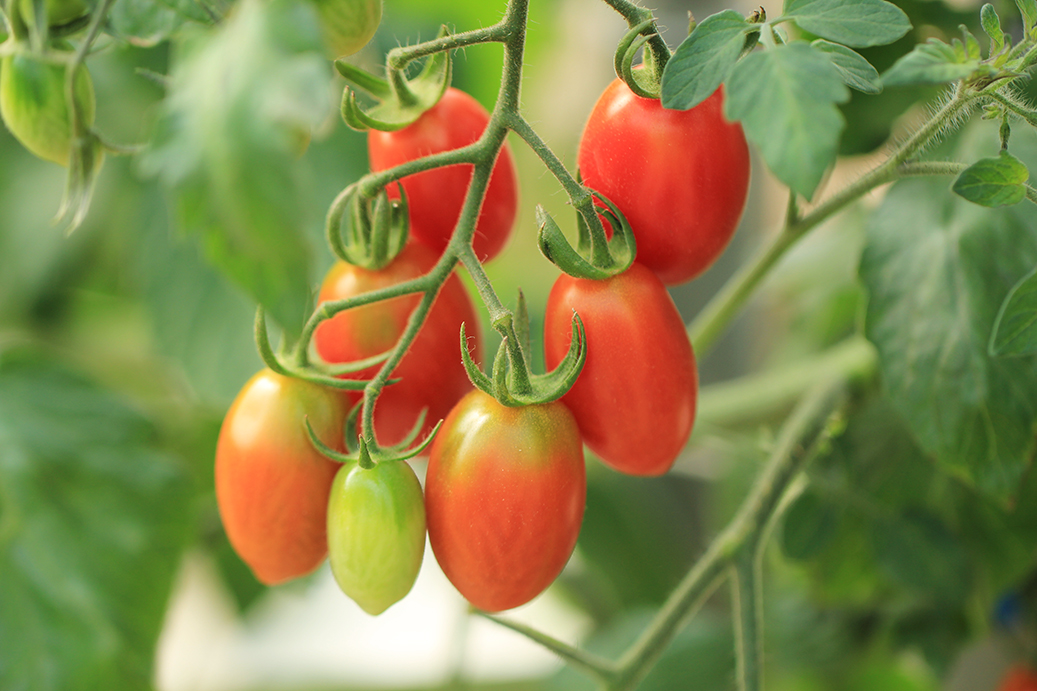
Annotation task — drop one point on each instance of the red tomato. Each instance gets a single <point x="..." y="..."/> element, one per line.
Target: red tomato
<point x="680" y="177"/>
<point x="435" y="197"/>
<point x="272" y="486"/>
<point x="431" y="373"/>
<point x="1019" y="678"/>
<point x="504" y="495"/>
<point x="635" y="399"/>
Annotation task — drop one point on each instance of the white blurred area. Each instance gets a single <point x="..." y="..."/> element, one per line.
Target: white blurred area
<point x="316" y="636"/>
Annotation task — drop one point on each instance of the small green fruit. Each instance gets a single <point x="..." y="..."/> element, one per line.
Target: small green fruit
<point x="376" y="533"/>
<point x="33" y="105"/>
<point x="348" y="25"/>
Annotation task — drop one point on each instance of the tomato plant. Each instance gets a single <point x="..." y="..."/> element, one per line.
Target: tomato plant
<point x="33" y="105"/>
<point x="59" y="12"/>
<point x="431" y="375"/>
<point x="435" y="197"/>
<point x="680" y="177"/>
<point x="504" y="493"/>
<point x="272" y="486"/>
<point x="376" y="533"/>
<point x="635" y="399"/>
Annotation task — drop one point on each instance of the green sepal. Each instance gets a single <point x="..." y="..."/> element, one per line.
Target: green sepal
<point x="580" y="262"/>
<point x="1028" y="10"/>
<point x="361" y="452"/>
<point x="270" y="359"/>
<point x="643" y="82"/>
<point x="475" y="374"/>
<point x="85" y="161"/>
<point x="992" y="28"/>
<point x="539" y="388"/>
<point x="375" y="229"/>
<point x="401" y="101"/>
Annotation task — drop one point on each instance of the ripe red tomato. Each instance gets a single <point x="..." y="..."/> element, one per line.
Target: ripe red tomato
<point x="504" y="495"/>
<point x="431" y="373"/>
<point x="680" y="177"/>
<point x="272" y="486"/>
<point x="1019" y="678"/>
<point x="435" y="197"/>
<point x="635" y="399"/>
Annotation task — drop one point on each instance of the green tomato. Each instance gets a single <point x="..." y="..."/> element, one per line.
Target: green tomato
<point x="348" y="25"/>
<point x="376" y="533"/>
<point x="33" y="106"/>
<point x="59" y="12"/>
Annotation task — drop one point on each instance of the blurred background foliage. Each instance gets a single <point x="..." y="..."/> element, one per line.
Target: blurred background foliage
<point x="122" y="345"/>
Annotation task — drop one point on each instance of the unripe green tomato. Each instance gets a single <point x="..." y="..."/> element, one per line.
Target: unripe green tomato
<point x="348" y="25"/>
<point x="59" y="12"/>
<point x="33" y="106"/>
<point x="376" y="533"/>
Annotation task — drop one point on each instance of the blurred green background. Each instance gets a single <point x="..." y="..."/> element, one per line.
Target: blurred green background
<point x="121" y="347"/>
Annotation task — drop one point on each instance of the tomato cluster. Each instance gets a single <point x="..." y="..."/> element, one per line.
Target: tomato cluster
<point x="505" y="488"/>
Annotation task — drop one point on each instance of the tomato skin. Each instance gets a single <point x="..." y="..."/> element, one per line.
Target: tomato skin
<point x="504" y="493"/>
<point x="435" y="196"/>
<point x="376" y="533"/>
<point x="1019" y="678"/>
<point x="348" y="25"/>
<point x="272" y="485"/>
<point x="32" y="103"/>
<point x="635" y="398"/>
<point x="680" y="177"/>
<point x="431" y="373"/>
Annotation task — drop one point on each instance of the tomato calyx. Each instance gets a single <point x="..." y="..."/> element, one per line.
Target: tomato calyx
<point x="646" y="80"/>
<point x="401" y="101"/>
<point x="511" y="381"/>
<point x="376" y="229"/>
<point x="594" y="257"/>
<point x="360" y="452"/>
<point x="325" y="375"/>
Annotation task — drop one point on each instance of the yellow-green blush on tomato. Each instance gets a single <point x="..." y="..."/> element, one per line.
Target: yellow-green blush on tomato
<point x="33" y="105"/>
<point x="376" y="533"/>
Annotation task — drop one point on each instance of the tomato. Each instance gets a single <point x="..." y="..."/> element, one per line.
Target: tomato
<point x="1019" y="678"/>
<point x="431" y="373"/>
<point x="635" y="398"/>
<point x="272" y="486"/>
<point x="504" y="493"/>
<point x="376" y="533"/>
<point x="32" y="103"/>
<point x="436" y="196"/>
<point x="348" y="25"/>
<point x="680" y="177"/>
<point x="59" y="12"/>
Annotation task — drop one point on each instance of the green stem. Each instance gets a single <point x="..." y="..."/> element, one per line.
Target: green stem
<point x="713" y="320"/>
<point x="579" y="195"/>
<point x="748" y="617"/>
<point x="401" y="56"/>
<point x="597" y="667"/>
<point x="796" y="445"/>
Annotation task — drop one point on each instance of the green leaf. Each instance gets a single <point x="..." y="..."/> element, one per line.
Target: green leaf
<point x="992" y="27"/>
<point x="785" y="97"/>
<point x="855" y="23"/>
<point x="241" y="100"/>
<point x="808" y="526"/>
<point x="704" y="60"/>
<point x="1028" y="10"/>
<point x="937" y="269"/>
<point x="933" y="62"/>
<point x="993" y="182"/>
<point x="1015" y="329"/>
<point x="148" y="22"/>
<point x="856" y="72"/>
<point x="92" y="521"/>
<point x="919" y="552"/>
